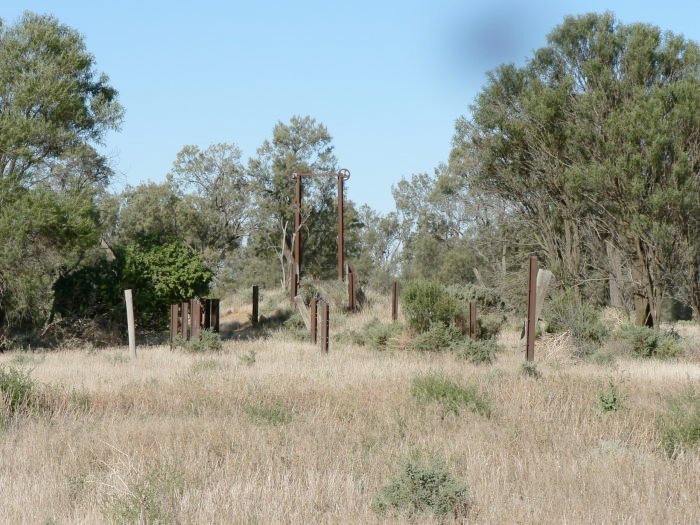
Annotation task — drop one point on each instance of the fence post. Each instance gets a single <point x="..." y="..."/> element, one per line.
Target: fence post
<point x="351" y="289"/>
<point x="395" y="301"/>
<point x="325" y="336"/>
<point x="254" y="317"/>
<point x="195" y="318"/>
<point x="174" y="315"/>
<point x="472" y="321"/>
<point x="130" y="322"/>
<point x="184" y="309"/>
<point x="531" y="310"/>
<point x="313" y="313"/>
<point x="214" y="315"/>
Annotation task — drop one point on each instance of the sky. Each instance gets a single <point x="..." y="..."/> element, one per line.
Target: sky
<point x="387" y="78"/>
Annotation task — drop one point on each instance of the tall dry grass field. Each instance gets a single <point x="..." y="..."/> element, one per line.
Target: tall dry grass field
<point x="271" y="431"/>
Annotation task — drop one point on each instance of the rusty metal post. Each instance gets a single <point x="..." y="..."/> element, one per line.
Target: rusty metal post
<point x="395" y="301"/>
<point x="343" y="175"/>
<point x="294" y="285"/>
<point x="206" y="304"/>
<point x="174" y="314"/>
<point x="313" y="313"/>
<point x="184" y="308"/>
<point x="254" y="316"/>
<point x="472" y="321"/>
<point x="531" y="310"/>
<point x="325" y="325"/>
<point x="214" y="315"/>
<point x="351" y="289"/>
<point x="297" y="225"/>
<point x="195" y="318"/>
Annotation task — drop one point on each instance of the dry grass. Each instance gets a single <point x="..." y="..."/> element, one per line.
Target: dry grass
<point x="292" y="436"/>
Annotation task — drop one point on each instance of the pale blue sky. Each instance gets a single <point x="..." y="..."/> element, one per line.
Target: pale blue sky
<point x="387" y="78"/>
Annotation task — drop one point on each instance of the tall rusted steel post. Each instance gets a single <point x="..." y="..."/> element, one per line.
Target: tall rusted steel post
<point x="343" y="175"/>
<point x="184" y="308"/>
<point x="395" y="301"/>
<point x="254" y="315"/>
<point x="214" y="315"/>
<point x="195" y="318"/>
<point x="325" y="327"/>
<point x="313" y="314"/>
<point x="531" y="310"/>
<point x="174" y="314"/>
<point x="472" y="321"/>
<point x="351" y="289"/>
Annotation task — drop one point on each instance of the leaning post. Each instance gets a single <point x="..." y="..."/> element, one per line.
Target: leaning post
<point x="130" y="322"/>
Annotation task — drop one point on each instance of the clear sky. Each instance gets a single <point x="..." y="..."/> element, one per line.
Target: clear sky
<point x="387" y="78"/>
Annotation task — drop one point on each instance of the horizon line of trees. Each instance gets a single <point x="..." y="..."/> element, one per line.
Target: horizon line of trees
<point x="588" y="156"/>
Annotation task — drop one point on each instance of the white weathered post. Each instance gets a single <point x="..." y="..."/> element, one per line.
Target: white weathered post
<point x="130" y="322"/>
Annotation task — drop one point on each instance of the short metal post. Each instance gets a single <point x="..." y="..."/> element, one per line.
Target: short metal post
<point x="254" y="317"/>
<point x="195" y="318"/>
<point x="214" y="326"/>
<point x="174" y="314"/>
<point x="531" y="310"/>
<point x="313" y="313"/>
<point x="395" y="301"/>
<point x="325" y="325"/>
<point x="472" y="321"/>
<point x="184" y="309"/>
<point x="206" y="304"/>
<point x="351" y="289"/>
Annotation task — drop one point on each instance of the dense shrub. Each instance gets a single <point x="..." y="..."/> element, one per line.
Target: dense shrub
<point x="487" y="299"/>
<point x="438" y="337"/>
<point x="452" y="396"/>
<point x="643" y="341"/>
<point x="376" y="334"/>
<point x="421" y="487"/>
<point x="680" y="425"/>
<point x="567" y="313"/>
<point x="16" y="390"/>
<point x="489" y="325"/>
<point x="427" y="302"/>
<point x="207" y="341"/>
<point x="477" y="352"/>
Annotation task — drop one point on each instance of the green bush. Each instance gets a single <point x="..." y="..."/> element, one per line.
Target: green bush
<point x="611" y="400"/>
<point x="487" y="299"/>
<point x="438" y="337"/>
<point x="489" y="325"/>
<point x="643" y="341"/>
<point x="478" y="352"/>
<point x="680" y="425"/>
<point x="567" y="313"/>
<point x="421" y="487"/>
<point x="376" y="334"/>
<point x="452" y="396"/>
<point x="529" y="369"/>
<point x="208" y="341"/>
<point x="427" y="302"/>
<point x="16" y="390"/>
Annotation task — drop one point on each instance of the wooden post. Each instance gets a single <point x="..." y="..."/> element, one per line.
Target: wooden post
<point x="341" y="228"/>
<point x="207" y="313"/>
<point x="294" y="284"/>
<point x="472" y="321"/>
<point x="174" y="315"/>
<point x="395" y="301"/>
<point x="351" y="289"/>
<point x="130" y="322"/>
<point x="313" y="313"/>
<point x="325" y="335"/>
<point x="195" y="319"/>
<point x="531" y="310"/>
<point x="297" y="227"/>
<point x="184" y="309"/>
<point x="254" y="317"/>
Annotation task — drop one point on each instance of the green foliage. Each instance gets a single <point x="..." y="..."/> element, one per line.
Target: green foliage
<point x="376" y="334"/>
<point x="489" y="325"/>
<point x="437" y="337"/>
<point x="249" y="358"/>
<point x="602" y="358"/>
<point x="151" y="498"/>
<point x="611" y="400"/>
<point x="680" y="424"/>
<point x="568" y="313"/>
<point x="16" y="390"/>
<point x="436" y="387"/>
<point x="643" y="341"/>
<point x="427" y="302"/>
<point x="268" y="414"/>
<point x="480" y="352"/>
<point x="208" y="341"/>
<point x="529" y="369"/>
<point x="423" y="487"/>
<point x="487" y="299"/>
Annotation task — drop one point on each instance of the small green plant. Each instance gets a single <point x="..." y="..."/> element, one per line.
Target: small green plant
<point x="208" y="341"/>
<point x="602" y="358"/>
<point x="376" y="334"/>
<point x="268" y="414"/>
<point x="152" y="498"/>
<point x="647" y="342"/>
<point x="248" y="359"/>
<point x="436" y="387"/>
<point x="529" y="369"/>
<point x="568" y="313"/>
<point x="680" y="425"/>
<point x="489" y="325"/>
<point x="81" y="400"/>
<point x="611" y="400"/>
<point x="204" y="365"/>
<point x="477" y="352"/>
<point x="423" y="487"/>
<point x="438" y="337"/>
<point x="16" y="390"/>
<point x="426" y="303"/>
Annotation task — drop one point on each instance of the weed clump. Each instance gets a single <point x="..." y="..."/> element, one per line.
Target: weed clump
<point x="376" y="334"/>
<point x="611" y="400"/>
<point x="438" y="337"/>
<point x="482" y="352"/>
<point x="567" y="313"/>
<point x="680" y="425"/>
<point x="422" y="487"/>
<point x="643" y="341"/>
<point x="529" y="369"/>
<point x="268" y="414"/>
<point x="452" y="396"/>
<point x="426" y="303"/>
<point x="208" y="341"/>
<point x="17" y="390"/>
